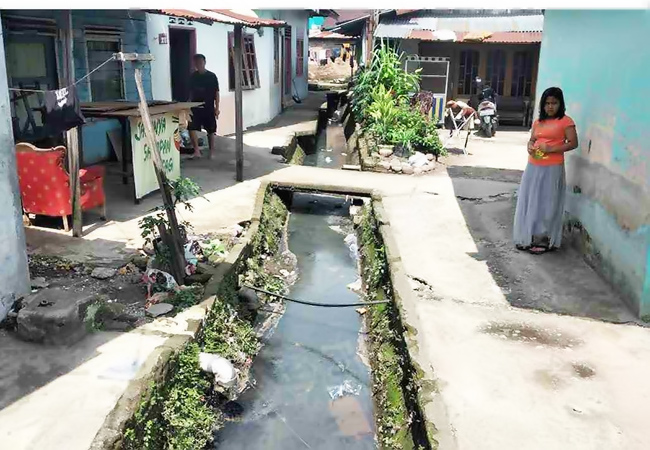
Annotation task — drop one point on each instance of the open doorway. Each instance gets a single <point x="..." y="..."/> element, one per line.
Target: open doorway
<point x="182" y="46"/>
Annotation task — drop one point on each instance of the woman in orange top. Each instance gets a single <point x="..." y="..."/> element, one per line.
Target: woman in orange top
<point x="540" y="201"/>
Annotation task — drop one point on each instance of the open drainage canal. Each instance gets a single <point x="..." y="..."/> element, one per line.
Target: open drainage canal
<point x="313" y="389"/>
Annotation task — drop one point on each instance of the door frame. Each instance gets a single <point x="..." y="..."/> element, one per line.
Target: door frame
<point x="192" y="32"/>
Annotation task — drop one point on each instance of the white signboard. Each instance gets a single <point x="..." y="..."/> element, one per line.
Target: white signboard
<point x="168" y="141"/>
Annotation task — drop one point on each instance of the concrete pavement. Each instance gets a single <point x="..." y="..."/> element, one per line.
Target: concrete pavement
<point x="506" y="377"/>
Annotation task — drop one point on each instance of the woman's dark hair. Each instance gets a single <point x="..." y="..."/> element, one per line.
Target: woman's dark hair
<point x="557" y="93"/>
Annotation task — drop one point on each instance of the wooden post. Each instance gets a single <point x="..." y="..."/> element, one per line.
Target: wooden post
<point x="239" y="125"/>
<point x="176" y="247"/>
<point x="73" y="136"/>
<point x="371" y="25"/>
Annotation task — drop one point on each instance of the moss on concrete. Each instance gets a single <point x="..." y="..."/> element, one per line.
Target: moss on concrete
<point x="399" y="421"/>
<point x="298" y="157"/>
<point x="175" y="412"/>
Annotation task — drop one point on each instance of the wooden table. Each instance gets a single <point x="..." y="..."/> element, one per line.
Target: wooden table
<point x="128" y="113"/>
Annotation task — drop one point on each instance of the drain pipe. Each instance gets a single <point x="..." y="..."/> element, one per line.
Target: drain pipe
<point x="324" y="305"/>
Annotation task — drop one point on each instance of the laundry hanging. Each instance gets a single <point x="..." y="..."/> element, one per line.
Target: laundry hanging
<point x="62" y="110"/>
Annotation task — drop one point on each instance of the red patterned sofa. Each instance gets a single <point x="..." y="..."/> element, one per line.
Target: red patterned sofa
<point x="45" y="184"/>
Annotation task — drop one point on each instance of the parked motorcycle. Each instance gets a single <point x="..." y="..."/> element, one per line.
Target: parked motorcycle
<point x="487" y="113"/>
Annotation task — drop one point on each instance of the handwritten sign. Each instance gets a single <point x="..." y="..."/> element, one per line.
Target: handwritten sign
<point x="168" y="141"/>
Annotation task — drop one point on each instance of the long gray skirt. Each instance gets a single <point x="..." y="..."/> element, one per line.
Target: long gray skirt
<point x="540" y="206"/>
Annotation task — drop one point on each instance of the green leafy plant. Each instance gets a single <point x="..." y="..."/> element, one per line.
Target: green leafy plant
<point x="182" y="190"/>
<point x="386" y="70"/>
<point x="383" y="112"/>
<point x="185" y="297"/>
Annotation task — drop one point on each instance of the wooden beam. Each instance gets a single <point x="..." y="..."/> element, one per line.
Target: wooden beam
<point x="176" y="244"/>
<point x="239" y="124"/>
<point x="133" y="56"/>
<point x="73" y="136"/>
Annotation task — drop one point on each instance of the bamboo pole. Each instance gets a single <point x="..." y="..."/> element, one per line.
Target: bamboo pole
<point x="176" y="247"/>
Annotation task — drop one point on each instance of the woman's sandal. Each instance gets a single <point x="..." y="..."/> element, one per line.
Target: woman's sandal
<point x="539" y="250"/>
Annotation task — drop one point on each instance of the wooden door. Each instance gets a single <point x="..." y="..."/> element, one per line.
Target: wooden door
<point x="288" y="58"/>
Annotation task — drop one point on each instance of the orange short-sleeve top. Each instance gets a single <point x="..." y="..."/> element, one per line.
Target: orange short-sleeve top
<point x="550" y="132"/>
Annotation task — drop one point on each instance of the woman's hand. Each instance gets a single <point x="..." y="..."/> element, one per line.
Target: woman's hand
<point x="545" y="148"/>
<point x="531" y="147"/>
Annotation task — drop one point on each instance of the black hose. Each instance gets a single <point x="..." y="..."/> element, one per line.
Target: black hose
<point x="324" y="305"/>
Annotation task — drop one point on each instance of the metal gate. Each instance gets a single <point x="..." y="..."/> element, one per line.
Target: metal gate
<point x="433" y="78"/>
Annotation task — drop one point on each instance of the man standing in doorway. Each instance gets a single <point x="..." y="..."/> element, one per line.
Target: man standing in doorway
<point x="204" y="88"/>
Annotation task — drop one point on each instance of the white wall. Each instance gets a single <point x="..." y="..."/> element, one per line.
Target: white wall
<point x="299" y="21"/>
<point x="260" y="105"/>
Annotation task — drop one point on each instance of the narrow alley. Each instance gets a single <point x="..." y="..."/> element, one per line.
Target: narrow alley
<point x="360" y="286"/>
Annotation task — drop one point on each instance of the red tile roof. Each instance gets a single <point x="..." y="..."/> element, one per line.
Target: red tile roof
<point x="252" y="21"/>
<point x="221" y="16"/>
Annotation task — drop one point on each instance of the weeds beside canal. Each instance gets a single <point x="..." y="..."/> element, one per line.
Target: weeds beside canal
<point x="181" y="412"/>
<point x="399" y="420"/>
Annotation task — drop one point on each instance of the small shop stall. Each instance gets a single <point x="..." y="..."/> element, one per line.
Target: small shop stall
<point x="130" y="146"/>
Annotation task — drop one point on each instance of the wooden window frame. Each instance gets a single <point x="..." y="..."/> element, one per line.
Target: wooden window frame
<point x="463" y="73"/>
<point x="300" y="57"/>
<point x="497" y="62"/>
<point x="522" y="74"/>
<point x="250" y="71"/>
<point x="276" y="56"/>
<point x="104" y="34"/>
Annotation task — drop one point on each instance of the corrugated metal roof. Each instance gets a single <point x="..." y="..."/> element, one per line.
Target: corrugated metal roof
<point x="512" y="23"/>
<point x="226" y="16"/>
<point x="507" y="29"/>
<point x="511" y="37"/>
<point x="399" y="31"/>
<point x="500" y="37"/>
<point x="331" y="35"/>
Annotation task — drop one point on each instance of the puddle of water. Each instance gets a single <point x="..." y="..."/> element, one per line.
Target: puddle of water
<point x="312" y="351"/>
<point x="531" y="334"/>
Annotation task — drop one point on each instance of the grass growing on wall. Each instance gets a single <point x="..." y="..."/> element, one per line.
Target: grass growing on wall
<point x="394" y="386"/>
<point x="175" y="414"/>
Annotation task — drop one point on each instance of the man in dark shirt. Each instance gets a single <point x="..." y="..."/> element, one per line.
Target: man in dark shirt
<point x="204" y="88"/>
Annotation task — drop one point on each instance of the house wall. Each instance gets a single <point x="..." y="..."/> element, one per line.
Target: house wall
<point x="298" y="20"/>
<point x="598" y="59"/>
<point x="452" y="50"/>
<point x="259" y="105"/>
<point x="14" y="276"/>
<point x="134" y="39"/>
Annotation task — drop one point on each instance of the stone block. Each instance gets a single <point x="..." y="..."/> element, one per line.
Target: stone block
<point x="54" y="316"/>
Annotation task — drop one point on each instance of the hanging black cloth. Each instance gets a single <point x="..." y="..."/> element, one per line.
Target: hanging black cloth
<point x="62" y="111"/>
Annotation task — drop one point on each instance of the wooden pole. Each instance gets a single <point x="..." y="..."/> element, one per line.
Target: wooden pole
<point x="72" y="137"/>
<point x="176" y="247"/>
<point x="239" y="124"/>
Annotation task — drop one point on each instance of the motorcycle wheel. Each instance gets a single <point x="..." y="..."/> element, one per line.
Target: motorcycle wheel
<point x="489" y="132"/>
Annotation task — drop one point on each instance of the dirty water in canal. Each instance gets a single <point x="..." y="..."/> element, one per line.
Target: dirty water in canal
<point x="312" y="387"/>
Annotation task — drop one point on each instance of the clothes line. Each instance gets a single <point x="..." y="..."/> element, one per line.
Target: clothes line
<point x="115" y="57"/>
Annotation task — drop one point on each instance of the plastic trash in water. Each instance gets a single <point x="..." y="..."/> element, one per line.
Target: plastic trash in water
<point x="328" y="160"/>
<point x="351" y="241"/>
<point x="344" y="389"/>
<point x="224" y="372"/>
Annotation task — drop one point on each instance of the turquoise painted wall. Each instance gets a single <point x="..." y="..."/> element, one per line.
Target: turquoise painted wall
<point x="601" y="60"/>
<point x="134" y="39"/>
